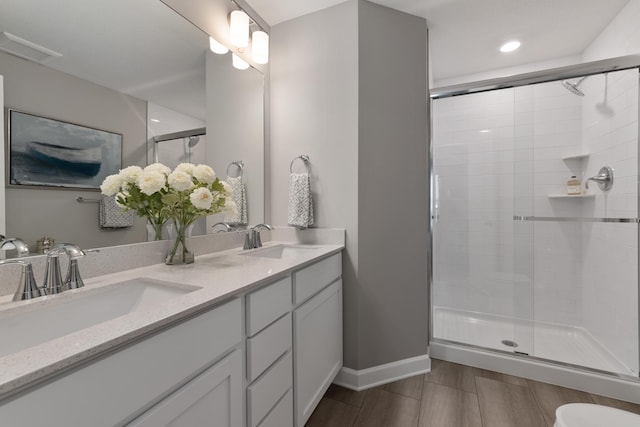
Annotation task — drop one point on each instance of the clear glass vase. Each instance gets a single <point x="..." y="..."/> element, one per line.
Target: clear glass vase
<point x="159" y="231"/>
<point x="178" y="252"/>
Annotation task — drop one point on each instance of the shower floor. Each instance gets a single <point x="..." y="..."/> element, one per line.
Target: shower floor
<point x="567" y="344"/>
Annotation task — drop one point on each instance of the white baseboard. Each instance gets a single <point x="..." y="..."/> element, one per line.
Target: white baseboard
<point x="383" y="374"/>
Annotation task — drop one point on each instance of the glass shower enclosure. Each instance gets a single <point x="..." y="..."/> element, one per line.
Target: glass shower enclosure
<point x="522" y="264"/>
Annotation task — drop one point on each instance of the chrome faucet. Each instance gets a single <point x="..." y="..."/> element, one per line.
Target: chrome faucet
<point x="53" y="283"/>
<point x="252" y="239"/>
<point x="604" y="178"/>
<point x="27" y="288"/>
<point x="15" y="243"/>
<point x="226" y="227"/>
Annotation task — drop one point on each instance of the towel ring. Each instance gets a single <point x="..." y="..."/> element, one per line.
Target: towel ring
<point x="305" y="160"/>
<point x="239" y="164"/>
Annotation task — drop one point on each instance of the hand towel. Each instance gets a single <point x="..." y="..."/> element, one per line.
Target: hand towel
<point x="239" y="197"/>
<point x="112" y="215"/>
<point x="300" y="201"/>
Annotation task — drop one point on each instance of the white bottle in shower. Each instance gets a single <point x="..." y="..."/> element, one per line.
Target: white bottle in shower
<point x="574" y="186"/>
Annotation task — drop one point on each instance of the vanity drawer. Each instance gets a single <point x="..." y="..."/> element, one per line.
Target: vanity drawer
<point x="268" y="304"/>
<point x="267" y="346"/>
<point x="282" y="414"/>
<point x="313" y="278"/>
<point x="267" y="391"/>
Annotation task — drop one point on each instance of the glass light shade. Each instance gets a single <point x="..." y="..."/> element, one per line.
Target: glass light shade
<point x="238" y="62"/>
<point x="239" y="28"/>
<point x="260" y="47"/>
<point x="217" y="47"/>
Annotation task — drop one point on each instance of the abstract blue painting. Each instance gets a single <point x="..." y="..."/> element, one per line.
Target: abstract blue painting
<point x="53" y="153"/>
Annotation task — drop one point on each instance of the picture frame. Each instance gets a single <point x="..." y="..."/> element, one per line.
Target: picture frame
<point x="45" y="152"/>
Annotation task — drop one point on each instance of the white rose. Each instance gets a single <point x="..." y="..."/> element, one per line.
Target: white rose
<point x="123" y="195"/>
<point x="111" y="185"/>
<point x="151" y="182"/>
<point x="158" y="167"/>
<point x="201" y="198"/>
<point x="180" y="180"/>
<point x="204" y="173"/>
<point x="227" y="188"/>
<point x="130" y="174"/>
<point x="230" y="209"/>
<point x="185" y="167"/>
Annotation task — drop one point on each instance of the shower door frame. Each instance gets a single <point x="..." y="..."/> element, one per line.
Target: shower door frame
<point x="544" y="76"/>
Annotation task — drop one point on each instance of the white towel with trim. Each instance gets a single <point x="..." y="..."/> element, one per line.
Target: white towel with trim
<point x="300" y="213"/>
<point x="239" y="197"/>
<point x="112" y="215"/>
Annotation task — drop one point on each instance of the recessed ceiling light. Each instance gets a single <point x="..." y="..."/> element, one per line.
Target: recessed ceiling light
<point x="510" y="46"/>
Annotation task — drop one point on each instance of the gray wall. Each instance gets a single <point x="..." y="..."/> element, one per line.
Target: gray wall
<point x="348" y="88"/>
<point x="314" y="111"/>
<point x="32" y="213"/>
<point x="392" y="186"/>
<point x="235" y="128"/>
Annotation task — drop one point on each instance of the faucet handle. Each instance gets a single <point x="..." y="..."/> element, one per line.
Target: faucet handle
<point x="73" y="279"/>
<point x="248" y="241"/>
<point x="27" y="288"/>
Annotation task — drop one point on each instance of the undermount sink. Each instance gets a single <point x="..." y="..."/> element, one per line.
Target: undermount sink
<point x="43" y="320"/>
<point x="280" y="251"/>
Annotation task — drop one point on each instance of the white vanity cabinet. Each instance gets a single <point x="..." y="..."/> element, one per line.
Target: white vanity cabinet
<point x="317" y="325"/>
<point x="116" y="388"/>
<point x="269" y="357"/>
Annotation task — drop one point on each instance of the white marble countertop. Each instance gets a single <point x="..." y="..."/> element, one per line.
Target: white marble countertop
<point x="220" y="275"/>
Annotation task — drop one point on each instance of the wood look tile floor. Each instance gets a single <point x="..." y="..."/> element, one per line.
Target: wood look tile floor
<point x="452" y="395"/>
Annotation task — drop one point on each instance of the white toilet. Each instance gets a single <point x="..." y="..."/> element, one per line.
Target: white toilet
<point x="589" y="415"/>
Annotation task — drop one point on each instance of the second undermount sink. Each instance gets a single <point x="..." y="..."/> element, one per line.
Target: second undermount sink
<point x="43" y="320"/>
<point x="281" y="251"/>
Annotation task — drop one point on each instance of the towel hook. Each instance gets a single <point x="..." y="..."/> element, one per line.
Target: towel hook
<point x="304" y="158"/>
<point x="239" y="164"/>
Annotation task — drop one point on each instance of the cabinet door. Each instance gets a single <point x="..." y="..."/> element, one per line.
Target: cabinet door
<point x="317" y="349"/>
<point x="213" y="398"/>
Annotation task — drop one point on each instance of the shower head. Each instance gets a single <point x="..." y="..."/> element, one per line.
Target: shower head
<point x="573" y="86"/>
<point x="193" y="141"/>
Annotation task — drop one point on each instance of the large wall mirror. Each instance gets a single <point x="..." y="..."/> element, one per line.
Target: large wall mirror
<point x="137" y="69"/>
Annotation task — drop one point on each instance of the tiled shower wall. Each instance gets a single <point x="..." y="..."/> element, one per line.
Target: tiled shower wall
<point x="610" y="250"/>
<point x="504" y="153"/>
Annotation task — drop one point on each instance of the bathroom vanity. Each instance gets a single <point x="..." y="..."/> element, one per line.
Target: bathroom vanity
<point x="240" y="338"/>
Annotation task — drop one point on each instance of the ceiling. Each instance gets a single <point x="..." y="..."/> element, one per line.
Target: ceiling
<point x="154" y="54"/>
<point x="464" y="35"/>
<point x="149" y="52"/>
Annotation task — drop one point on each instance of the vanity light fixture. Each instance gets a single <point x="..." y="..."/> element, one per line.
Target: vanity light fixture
<point x="239" y="29"/>
<point x="510" y="46"/>
<point x="260" y="47"/>
<point x="238" y="62"/>
<point x="217" y="47"/>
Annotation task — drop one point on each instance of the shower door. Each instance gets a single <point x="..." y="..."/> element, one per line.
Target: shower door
<point x="477" y="297"/>
<point x="519" y="265"/>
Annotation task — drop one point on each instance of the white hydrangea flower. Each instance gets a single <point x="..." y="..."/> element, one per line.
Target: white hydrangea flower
<point x="201" y="198"/>
<point x="180" y="180"/>
<point x="130" y="174"/>
<point x="185" y="167"/>
<point x="158" y="167"/>
<point x="111" y="185"/>
<point x="204" y="173"/>
<point x="151" y="182"/>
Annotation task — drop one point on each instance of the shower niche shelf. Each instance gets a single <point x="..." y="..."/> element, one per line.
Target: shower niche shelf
<point x="579" y="157"/>
<point x="571" y="196"/>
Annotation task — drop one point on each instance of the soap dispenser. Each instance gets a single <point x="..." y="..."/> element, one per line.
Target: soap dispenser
<point x="574" y="186"/>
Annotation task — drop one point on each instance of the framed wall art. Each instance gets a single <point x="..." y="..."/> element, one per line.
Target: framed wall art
<point x="53" y="153"/>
